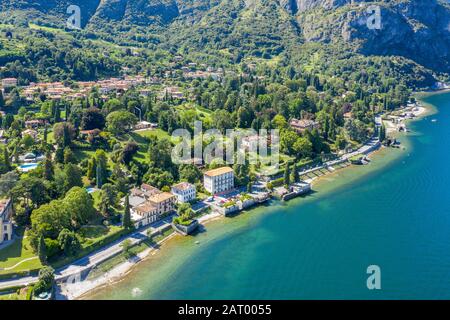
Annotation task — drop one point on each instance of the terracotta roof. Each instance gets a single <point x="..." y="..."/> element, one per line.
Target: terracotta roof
<point x="218" y="171"/>
<point x="158" y="198"/>
<point x="145" y="207"/>
<point x="183" y="186"/>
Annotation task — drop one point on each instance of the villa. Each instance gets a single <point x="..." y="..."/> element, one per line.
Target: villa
<point x="184" y="191"/>
<point x="219" y="180"/>
<point x="148" y="204"/>
<point x="303" y="125"/>
<point x="144" y="215"/>
<point x="6" y="226"/>
<point x="30" y="132"/>
<point x="163" y="202"/>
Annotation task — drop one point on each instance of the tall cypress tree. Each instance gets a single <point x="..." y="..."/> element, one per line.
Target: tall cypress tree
<point x="45" y="134"/>
<point x="2" y="100"/>
<point x="126" y="222"/>
<point x="6" y="159"/>
<point x="287" y="175"/>
<point x="42" y="250"/>
<point x="99" y="175"/>
<point x="295" y="173"/>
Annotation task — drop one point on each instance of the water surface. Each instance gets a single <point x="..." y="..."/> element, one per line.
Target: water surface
<point x="394" y="214"/>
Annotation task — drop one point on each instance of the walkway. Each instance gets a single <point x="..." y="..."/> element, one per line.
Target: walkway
<point x="95" y="258"/>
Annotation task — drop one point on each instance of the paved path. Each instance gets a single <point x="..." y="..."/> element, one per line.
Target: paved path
<point x="94" y="258"/>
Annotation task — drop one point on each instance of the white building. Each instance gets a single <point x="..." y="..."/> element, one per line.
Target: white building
<point x="219" y="180"/>
<point x="144" y="214"/>
<point x="9" y="82"/>
<point x="184" y="191"/>
<point x="6" y="227"/>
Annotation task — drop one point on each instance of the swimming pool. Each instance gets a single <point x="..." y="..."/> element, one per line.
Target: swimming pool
<point x="28" y="167"/>
<point x="91" y="189"/>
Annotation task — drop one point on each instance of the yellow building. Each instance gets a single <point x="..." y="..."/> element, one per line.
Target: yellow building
<point x="163" y="202"/>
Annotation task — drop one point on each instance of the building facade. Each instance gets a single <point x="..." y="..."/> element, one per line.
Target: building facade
<point x="185" y="192"/>
<point x="163" y="202"/>
<point x="219" y="180"/>
<point x="6" y="226"/>
<point x="144" y="215"/>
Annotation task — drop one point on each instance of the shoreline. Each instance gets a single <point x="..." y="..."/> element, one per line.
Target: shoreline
<point x="120" y="271"/>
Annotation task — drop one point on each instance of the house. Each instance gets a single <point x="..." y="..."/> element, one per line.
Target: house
<point x="163" y="202"/>
<point x="9" y="83"/>
<point x="139" y="196"/>
<point x="6" y="226"/>
<point x="251" y="142"/>
<point x="144" y="214"/>
<point x="303" y="125"/>
<point x="33" y="124"/>
<point x="173" y="92"/>
<point x="184" y="191"/>
<point x="219" y="180"/>
<point x="149" y="190"/>
<point x="30" y="132"/>
<point x="143" y="125"/>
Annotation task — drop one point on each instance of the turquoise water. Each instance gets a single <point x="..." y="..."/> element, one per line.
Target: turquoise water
<point x="395" y="215"/>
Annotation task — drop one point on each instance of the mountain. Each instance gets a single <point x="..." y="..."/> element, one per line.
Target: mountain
<point x="415" y="31"/>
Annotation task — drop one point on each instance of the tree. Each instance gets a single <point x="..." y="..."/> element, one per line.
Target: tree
<point x="295" y="173"/>
<point x="130" y="149"/>
<point x="46" y="280"/>
<point x="92" y="168"/>
<point x="382" y="133"/>
<point x="119" y="122"/>
<point x="7" y="182"/>
<point x="302" y="148"/>
<point x="2" y="100"/>
<point x="92" y="119"/>
<point x="69" y="156"/>
<point x="190" y="173"/>
<point x="49" y="170"/>
<point x="48" y="220"/>
<point x="99" y="176"/>
<point x="279" y="122"/>
<point x="73" y="177"/>
<point x="6" y="160"/>
<point x="64" y="133"/>
<point x="249" y="187"/>
<point x="184" y="209"/>
<point x="42" y="250"/>
<point x="59" y="155"/>
<point x="32" y="190"/>
<point x="68" y="242"/>
<point x="126" y="248"/>
<point x="108" y="198"/>
<point x="101" y="172"/>
<point x="126" y="221"/>
<point x="80" y="205"/>
<point x="287" y="175"/>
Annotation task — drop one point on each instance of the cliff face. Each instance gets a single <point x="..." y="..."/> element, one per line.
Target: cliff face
<point x="415" y="29"/>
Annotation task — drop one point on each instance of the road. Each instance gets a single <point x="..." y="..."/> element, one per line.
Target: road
<point x="93" y="259"/>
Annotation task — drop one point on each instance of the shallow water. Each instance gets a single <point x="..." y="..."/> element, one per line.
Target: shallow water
<point x="394" y="213"/>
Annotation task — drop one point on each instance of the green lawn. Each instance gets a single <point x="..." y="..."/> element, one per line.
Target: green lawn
<point x="13" y="255"/>
<point x="159" y="133"/>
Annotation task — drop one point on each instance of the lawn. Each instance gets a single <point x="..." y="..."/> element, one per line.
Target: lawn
<point x="95" y="237"/>
<point x="12" y="256"/>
